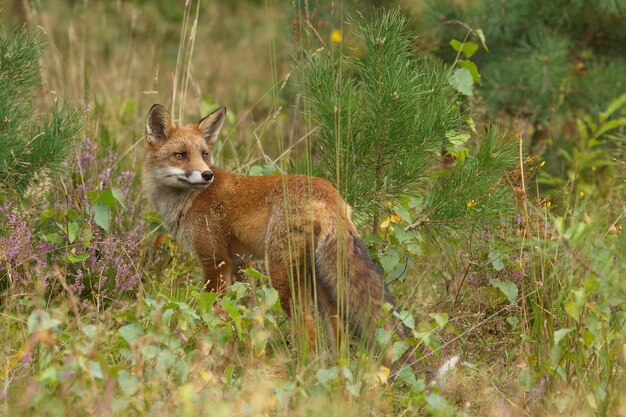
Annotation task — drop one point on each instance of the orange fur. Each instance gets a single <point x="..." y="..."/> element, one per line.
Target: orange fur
<point x="299" y="224"/>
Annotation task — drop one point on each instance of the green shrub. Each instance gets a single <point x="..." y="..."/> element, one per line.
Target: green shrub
<point x="31" y="142"/>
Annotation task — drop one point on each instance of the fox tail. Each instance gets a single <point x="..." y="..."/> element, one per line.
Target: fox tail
<point x="351" y="279"/>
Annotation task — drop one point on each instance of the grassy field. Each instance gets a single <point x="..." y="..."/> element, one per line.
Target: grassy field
<point x="112" y="320"/>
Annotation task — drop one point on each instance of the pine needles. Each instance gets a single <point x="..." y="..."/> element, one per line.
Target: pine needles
<point x="382" y="113"/>
<point x="30" y="145"/>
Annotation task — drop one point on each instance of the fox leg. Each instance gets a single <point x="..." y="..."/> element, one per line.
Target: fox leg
<point x="298" y="306"/>
<point x="217" y="268"/>
<point x="336" y="328"/>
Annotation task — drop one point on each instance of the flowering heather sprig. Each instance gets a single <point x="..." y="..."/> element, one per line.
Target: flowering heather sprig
<point x="17" y="244"/>
<point x="78" y="285"/>
<point x="86" y="155"/>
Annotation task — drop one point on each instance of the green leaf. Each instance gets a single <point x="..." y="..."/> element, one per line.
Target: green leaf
<point x="102" y="215"/>
<point x="77" y="258"/>
<point x="89" y="331"/>
<point x="72" y="229"/>
<point x="55" y="238"/>
<point x="560" y="334"/>
<point x="167" y="317"/>
<point x="610" y="125"/>
<point x="457" y="138"/>
<point x="456" y="44"/>
<point x="407" y="375"/>
<point x="234" y="313"/>
<point x="40" y="320"/>
<point x="462" y="80"/>
<point x="128" y="383"/>
<point x="472" y="68"/>
<point x="441" y="319"/>
<point x="437" y="403"/>
<point x="613" y="106"/>
<point x="95" y="370"/>
<point x="205" y="299"/>
<point x="398" y="349"/>
<point x="389" y="260"/>
<point x="406" y="318"/>
<point x="383" y="337"/>
<point x="324" y="376"/>
<point x="513" y="322"/>
<point x="130" y="332"/>
<point x="468" y="48"/>
<point x="481" y="36"/>
<point x="253" y="273"/>
<point x="270" y="296"/>
<point x="497" y="259"/>
<point x="118" y="195"/>
<point x="508" y="288"/>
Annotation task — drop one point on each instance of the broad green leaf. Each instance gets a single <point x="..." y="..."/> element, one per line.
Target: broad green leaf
<point x="456" y="44"/>
<point x="102" y="215"/>
<point x="95" y="370"/>
<point x="383" y="337"/>
<point x="128" y="383"/>
<point x="513" y="322"/>
<point x="508" y="288"/>
<point x="253" y="273"/>
<point x="130" y="332"/>
<point x="407" y="375"/>
<point x="118" y="195"/>
<point x="440" y="318"/>
<point x="324" y="376"/>
<point x="55" y="238"/>
<point x="461" y="79"/>
<point x="72" y="229"/>
<point x="234" y="313"/>
<point x="271" y="296"/>
<point x="89" y="331"/>
<point x="389" y="260"/>
<point x="40" y="320"/>
<point x="406" y="318"/>
<point x="205" y="299"/>
<point x="398" y="349"/>
<point x="77" y="258"/>
<point x="472" y="68"/>
<point x="457" y="138"/>
<point x="560" y="334"/>
<point x="497" y="259"/>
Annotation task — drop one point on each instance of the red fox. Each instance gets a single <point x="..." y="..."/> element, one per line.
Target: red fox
<point x="299" y="224"/>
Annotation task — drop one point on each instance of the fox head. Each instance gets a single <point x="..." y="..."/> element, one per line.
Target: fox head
<point x="178" y="156"/>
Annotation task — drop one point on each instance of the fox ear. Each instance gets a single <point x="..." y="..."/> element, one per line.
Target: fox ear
<point x="158" y="125"/>
<point x="210" y="126"/>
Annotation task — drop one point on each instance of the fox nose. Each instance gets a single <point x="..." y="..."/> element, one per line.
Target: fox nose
<point x="207" y="175"/>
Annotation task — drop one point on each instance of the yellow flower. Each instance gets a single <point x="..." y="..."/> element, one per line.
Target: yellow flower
<point x="394" y="218"/>
<point x="471" y="203"/>
<point x="542" y="164"/>
<point x="335" y="36"/>
<point x="548" y="204"/>
<point x="581" y="194"/>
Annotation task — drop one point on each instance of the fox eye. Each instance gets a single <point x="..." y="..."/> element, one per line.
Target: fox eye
<point x="180" y="156"/>
<point x="205" y="156"/>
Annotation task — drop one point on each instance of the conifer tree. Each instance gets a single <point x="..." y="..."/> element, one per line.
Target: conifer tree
<point x="546" y="59"/>
<point x="383" y="114"/>
<point x="30" y="141"/>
